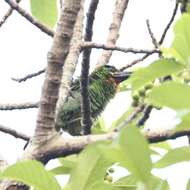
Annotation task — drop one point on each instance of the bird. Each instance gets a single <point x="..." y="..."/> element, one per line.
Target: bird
<point x="103" y="85"/>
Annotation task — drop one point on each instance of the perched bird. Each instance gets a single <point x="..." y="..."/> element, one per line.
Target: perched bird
<point x="103" y="83"/>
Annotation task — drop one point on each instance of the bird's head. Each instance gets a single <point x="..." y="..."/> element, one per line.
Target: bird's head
<point x="110" y="73"/>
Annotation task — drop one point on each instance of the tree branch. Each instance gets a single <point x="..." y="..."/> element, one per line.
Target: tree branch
<point x="154" y="41"/>
<point x="29" y="76"/>
<point x="169" y="23"/>
<point x="7" y="15"/>
<point x="84" y="79"/>
<point x="71" y="60"/>
<point x="45" y="127"/>
<point x="32" y="20"/>
<point x="135" y="61"/>
<point x="14" y="133"/>
<point x="62" y="146"/>
<point x="118" y="14"/>
<point x="146" y="115"/>
<point x="154" y="137"/>
<point x="131" y="117"/>
<point x="88" y="45"/>
<point x="18" y="106"/>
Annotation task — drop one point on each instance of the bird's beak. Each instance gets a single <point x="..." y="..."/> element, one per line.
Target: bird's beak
<point x="121" y="76"/>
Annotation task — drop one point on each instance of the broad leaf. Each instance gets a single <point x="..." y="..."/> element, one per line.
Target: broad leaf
<point x="45" y="11"/>
<point x="117" y="122"/>
<point x="32" y="173"/>
<point x="174" y="156"/>
<point x="188" y="185"/>
<point x="181" y="41"/>
<point x="154" y="183"/>
<point x="99" y="126"/>
<point x="184" y="124"/>
<point x="137" y="152"/>
<point x="159" y="68"/>
<point x="130" y="150"/>
<point x="171" y="94"/>
<point x="60" y="170"/>
<point x="180" y="48"/>
<point x="89" y="170"/>
<point x="163" y="145"/>
<point x="129" y="181"/>
<point x="68" y="161"/>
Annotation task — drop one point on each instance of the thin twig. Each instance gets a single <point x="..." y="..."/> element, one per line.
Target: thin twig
<point x="26" y="105"/>
<point x="145" y="116"/>
<point x="84" y="79"/>
<point x="14" y="133"/>
<point x="154" y="41"/>
<point x="29" y="76"/>
<point x="88" y="45"/>
<point x="32" y="20"/>
<point x="133" y="116"/>
<point x="7" y="15"/>
<point x="136" y="61"/>
<point x="169" y="23"/>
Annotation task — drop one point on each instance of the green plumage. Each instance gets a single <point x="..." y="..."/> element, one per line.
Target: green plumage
<point x="102" y="87"/>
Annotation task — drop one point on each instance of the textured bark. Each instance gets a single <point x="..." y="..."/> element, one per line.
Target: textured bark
<point x="72" y="59"/>
<point x="45" y="127"/>
<point x="56" y="59"/>
<point x="118" y="14"/>
<point x="84" y="79"/>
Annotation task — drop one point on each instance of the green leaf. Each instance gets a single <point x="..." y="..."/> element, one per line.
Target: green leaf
<point x="164" y="186"/>
<point x="131" y="151"/>
<point x="158" y="184"/>
<point x="68" y="161"/>
<point x="89" y="170"/>
<point x="45" y="11"/>
<point x="171" y="52"/>
<point x="184" y="124"/>
<point x="159" y="68"/>
<point x="163" y="145"/>
<point x="181" y="42"/>
<point x="188" y="8"/>
<point x="171" y="94"/>
<point x="99" y="126"/>
<point x="154" y="152"/>
<point x="188" y="185"/>
<point x="60" y="170"/>
<point x="32" y="173"/>
<point x="121" y="118"/>
<point x="174" y="156"/>
<point x="137" y="152"/>
<point x="129" y="181"/>
<point x="154" y="183"/>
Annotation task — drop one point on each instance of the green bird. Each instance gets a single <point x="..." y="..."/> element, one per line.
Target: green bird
<point x="103" y="84"/>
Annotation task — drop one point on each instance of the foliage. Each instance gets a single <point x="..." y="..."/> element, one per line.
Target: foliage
<point x="45" y="11"/>
<point x="89" y="170"/>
